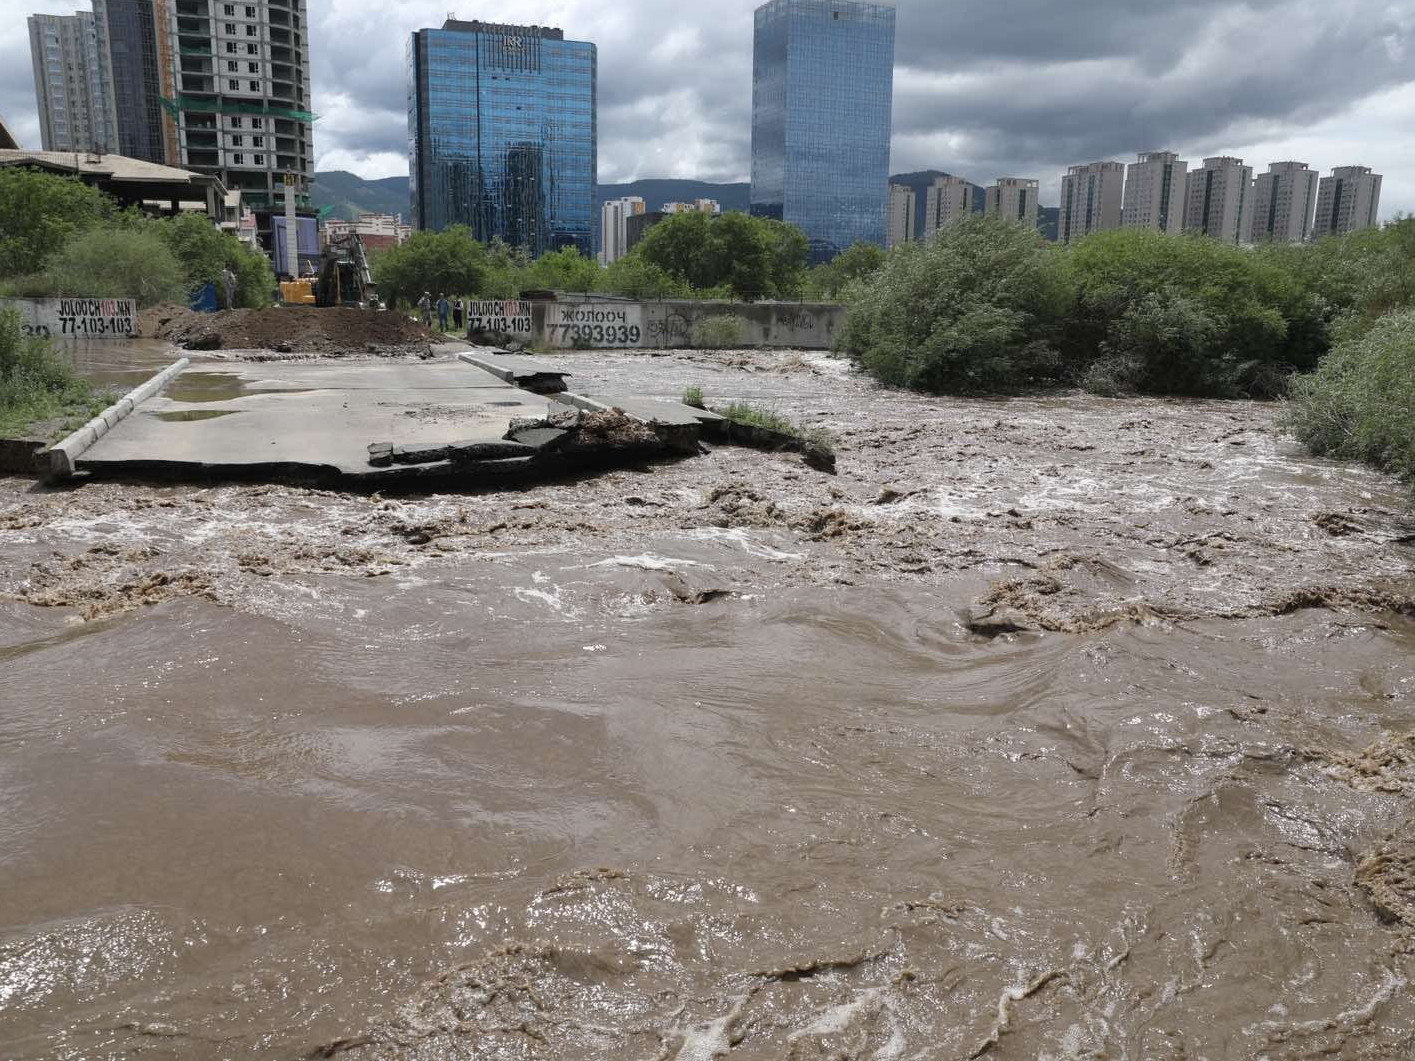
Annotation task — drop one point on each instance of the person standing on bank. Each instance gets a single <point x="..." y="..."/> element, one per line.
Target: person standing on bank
<point x="425" y="309"/>
<point x="457" y="315"/>
<point x="444" y="310"/>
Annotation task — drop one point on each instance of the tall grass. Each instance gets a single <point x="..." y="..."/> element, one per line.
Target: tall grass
<point x="37" y="384"/>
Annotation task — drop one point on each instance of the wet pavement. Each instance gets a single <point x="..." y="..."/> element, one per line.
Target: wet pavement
<point x="1048" y="729"/>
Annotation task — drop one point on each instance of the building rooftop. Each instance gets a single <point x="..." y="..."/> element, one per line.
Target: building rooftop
<point x="103" y="167"/>
<point x="505" y="29"/>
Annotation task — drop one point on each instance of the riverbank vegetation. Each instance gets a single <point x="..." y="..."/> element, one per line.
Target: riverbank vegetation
<point x="694" y="255"/>
<point x="1360" y="403"/>
<point x="60" y="238"/>
<point x="37" y="385"/>
<point x="989" y="307"/>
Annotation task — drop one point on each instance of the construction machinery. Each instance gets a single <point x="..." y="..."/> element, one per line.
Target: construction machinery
<point x="344" y="275"/>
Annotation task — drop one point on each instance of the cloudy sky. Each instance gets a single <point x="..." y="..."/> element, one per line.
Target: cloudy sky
<point x="983" y="88"/>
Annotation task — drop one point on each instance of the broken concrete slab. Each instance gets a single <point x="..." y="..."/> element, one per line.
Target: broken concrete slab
<point x="538" y="377"/>
<point x="380" y="454"/>
<point x="309" y="419"/>
<point x="541" y="438"/>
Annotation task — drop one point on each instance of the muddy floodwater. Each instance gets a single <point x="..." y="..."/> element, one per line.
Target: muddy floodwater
<point x="1048" y="729"/>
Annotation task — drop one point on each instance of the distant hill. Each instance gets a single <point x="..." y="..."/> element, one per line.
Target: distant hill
<point x="351" y="195"/>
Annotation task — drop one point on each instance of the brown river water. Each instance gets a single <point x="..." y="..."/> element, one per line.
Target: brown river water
<point x="1048" y="729"/>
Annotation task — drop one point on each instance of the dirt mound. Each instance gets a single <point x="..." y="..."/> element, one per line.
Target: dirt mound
<point x="289" y="329"/>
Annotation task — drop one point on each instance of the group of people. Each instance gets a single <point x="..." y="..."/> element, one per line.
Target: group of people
<point x="454" y="310"/>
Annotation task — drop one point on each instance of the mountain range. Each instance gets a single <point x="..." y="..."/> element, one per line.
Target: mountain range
<point x="348" y="195"/>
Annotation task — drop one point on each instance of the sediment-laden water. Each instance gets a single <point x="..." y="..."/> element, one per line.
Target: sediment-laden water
<point x="1047" y="729"/>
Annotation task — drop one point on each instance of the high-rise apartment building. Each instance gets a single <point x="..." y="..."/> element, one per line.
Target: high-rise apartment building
<point x="822" y="107"/>
<point x="238" y="90"/>
<point x="1092" y="197"/>
<point x="949" y="198"/>
<point x="127" y="38"/>
<point x="1348" y="201"/>
<point x="614" y="227"/>
<point x="1220" y="200"/>
<point x="1155" y="190"/>
<point x="903" y="215"/>
<point x="1284" y="202"/>
<point x="8" y="142"/>
<point x="502" y="134"/>
<point x="1015" y="198"/>
<point x="72" y="84"/>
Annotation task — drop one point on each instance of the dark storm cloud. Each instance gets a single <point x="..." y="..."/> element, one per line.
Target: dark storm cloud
<point x="1054" y="90"/>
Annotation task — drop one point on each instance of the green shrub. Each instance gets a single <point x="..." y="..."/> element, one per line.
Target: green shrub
<point x="1360" y="404"/>
<point x="205" y="251"/>
<point x="116" y="263"/>
<point x="37" y="384"/>
<point x="975" y="310"/>
<point x="721" y="331"/>
<point x="693" y="396"/>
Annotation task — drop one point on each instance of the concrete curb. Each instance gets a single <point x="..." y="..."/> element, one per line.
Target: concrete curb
<point x="63" y="455"/>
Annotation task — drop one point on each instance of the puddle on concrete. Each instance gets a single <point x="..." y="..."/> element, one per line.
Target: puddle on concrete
<point x="186" y="416"/>
<point x="199" y="387"/>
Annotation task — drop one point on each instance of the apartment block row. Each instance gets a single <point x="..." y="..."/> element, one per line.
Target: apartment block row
<point x="948" y="198"/>
<point x="204" y="85"/>
<point x="1290" y="203"/>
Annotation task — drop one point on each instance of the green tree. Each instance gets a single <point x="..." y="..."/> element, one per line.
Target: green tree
<point x="564" y="270"/>
<point x="39" y="213"/>
<point x="859" y="262"/>
<point x="204" y="252"/>
<point x="974" y="311"/>
<point x="449" y="262"/>
<point x="750" y="257"/>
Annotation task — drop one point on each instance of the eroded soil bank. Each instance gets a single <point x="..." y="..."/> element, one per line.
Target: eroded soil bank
<point x="1063" y="728"/>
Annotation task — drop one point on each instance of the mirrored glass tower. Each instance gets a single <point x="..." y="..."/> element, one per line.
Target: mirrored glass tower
<point x="822" y="108"/>
<point x="502" y="134"/>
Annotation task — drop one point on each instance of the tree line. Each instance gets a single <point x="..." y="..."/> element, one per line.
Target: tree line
<point x="60" y="238"/>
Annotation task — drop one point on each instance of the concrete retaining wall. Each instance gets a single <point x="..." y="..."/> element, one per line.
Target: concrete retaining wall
<point x="613" y="325"/>
<point x="76" y="318"/>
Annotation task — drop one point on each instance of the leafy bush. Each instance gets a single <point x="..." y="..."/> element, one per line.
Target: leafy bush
<point x="1186" y="316"/>
<point x="36" y="383"/>
<point x="721" y="331"/>
<point x="40" y="212"/>
<point x="975" y="310"/>
<point x="116" y="263"/>
<point x="693" y="396"/>
<point x="204" y="251"/>
<point x="634" y="277"/>
<point x="859" y="262"/>
<point x="1360" y="404"/>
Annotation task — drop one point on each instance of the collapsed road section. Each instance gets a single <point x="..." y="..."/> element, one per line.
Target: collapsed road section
<point x="471" y="416"/>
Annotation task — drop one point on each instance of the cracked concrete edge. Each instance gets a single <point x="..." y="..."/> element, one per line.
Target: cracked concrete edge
<point x="63" y="455"/>
<point x="579" y="401"/>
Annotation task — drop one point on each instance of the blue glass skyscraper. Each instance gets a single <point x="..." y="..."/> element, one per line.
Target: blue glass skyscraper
<point x="822" y="108"/>
<point x="502" y="134"/>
